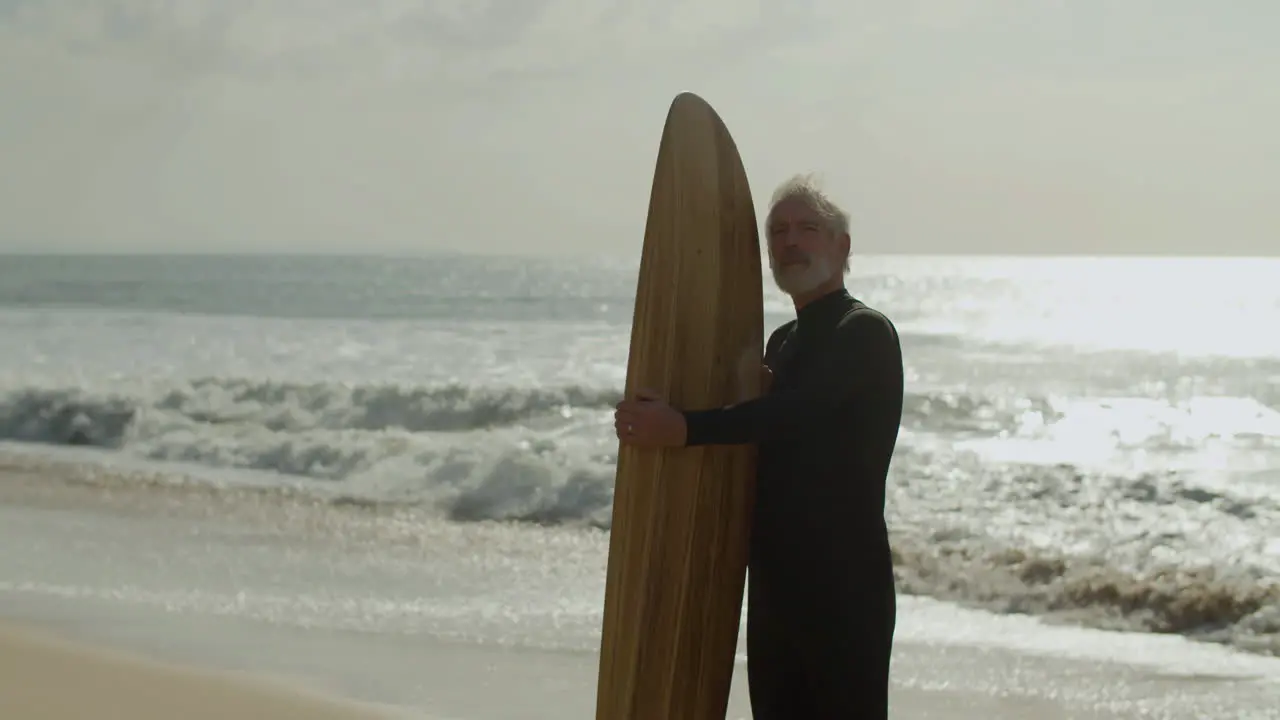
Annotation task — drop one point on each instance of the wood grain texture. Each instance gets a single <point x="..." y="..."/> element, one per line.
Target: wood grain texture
<point x="681" y="517"/>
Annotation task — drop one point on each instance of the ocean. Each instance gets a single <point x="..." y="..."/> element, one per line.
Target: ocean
<point x="1093" y="443"/>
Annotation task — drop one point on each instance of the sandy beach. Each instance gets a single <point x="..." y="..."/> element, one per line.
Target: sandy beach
<point x="43" y="676"/>
<point x="279" y="606"/>
<point x="58" y="674"/>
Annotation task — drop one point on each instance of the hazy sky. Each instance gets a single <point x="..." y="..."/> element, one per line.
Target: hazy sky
<point x="532" y="125"/>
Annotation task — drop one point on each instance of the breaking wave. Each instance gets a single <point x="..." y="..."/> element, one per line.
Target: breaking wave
<point x="1157" y="551"/>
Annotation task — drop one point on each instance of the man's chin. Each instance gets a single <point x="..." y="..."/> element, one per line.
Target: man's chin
<point x="794" y="284"/>
<point x="800" y="280"/>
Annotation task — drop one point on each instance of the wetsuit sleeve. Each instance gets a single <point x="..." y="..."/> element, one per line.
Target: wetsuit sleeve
<point x="862" y="342"/>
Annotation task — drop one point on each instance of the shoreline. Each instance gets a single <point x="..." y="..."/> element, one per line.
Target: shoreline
<point x="81" y="559"/>
<point x="102" y="481"/>
<point x="62" y="674"/>
<point x="234" y="668"/>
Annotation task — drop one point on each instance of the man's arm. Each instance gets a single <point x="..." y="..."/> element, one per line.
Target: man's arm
<point x="862" y="342"/>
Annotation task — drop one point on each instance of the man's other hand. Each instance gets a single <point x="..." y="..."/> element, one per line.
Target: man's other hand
<point x="648" y="421"/>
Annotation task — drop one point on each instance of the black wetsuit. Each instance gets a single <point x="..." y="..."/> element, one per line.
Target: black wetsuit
<point x="821" y="605"/>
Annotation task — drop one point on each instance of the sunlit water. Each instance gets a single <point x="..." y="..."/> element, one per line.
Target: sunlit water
<point x="1096" y="441"/>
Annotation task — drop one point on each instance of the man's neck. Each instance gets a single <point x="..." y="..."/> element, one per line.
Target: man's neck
<point x="802" y="299"/>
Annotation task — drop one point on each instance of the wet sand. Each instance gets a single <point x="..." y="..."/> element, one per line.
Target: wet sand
<point x="111" y="606"/>
<point x="45" y="677"/>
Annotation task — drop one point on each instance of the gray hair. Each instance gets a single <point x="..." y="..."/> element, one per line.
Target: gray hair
<point x="805" y="188"/>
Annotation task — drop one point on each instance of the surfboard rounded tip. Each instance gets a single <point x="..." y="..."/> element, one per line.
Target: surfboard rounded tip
<point x="690" y="108"/>
<point x="688" y="100"/>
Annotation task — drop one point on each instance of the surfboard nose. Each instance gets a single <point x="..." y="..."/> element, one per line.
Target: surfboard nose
<point x="690" y="103"/>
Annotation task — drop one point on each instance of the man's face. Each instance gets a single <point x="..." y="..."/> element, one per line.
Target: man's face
<point x="803" y="254"/>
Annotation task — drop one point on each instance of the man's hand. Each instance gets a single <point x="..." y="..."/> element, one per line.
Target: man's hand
<point x="648" y="421"/>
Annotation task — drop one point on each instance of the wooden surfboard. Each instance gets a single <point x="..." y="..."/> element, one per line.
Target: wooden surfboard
<point x="681" y="517"/>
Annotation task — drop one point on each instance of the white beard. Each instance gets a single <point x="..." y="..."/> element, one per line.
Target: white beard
<point x="801" y="279"/>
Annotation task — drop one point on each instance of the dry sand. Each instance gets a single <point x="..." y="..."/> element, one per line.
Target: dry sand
<point x="45" y="677"/>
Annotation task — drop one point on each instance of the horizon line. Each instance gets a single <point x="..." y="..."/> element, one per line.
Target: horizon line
<point x="395" y="255"/>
